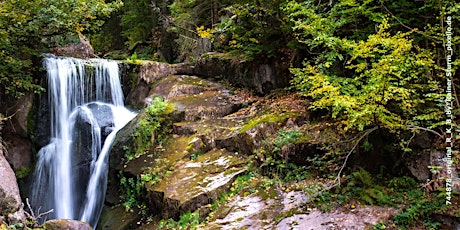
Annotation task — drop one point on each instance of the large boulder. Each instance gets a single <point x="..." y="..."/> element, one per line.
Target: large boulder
<point x="82" y="50"/>
<point x="138" y="76"/>
<point x="59" y="224"/>
<point x="11" y="206"/>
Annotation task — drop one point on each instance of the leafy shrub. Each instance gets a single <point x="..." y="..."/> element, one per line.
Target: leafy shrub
<point x="152" y="130"/>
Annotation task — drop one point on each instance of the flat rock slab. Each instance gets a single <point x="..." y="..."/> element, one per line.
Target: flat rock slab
<point x="359" y="218"/>
<point x="287" y="210"/>
<point x="196" y="183"/>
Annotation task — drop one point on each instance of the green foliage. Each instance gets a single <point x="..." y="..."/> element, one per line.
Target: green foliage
<point x="187" y="17"/>
<point x="387" y="86"/>
<point x="402" y="183"/>
<point x="271" y="160"/>
<point x="27" y="28"/>
<point x="418" y="207"/>
<point x="380" y="226"/>
<point x="245" y="28"/>
<point x="187" y="221"/>
<point x="421" y="211"/>
<point x="22" y="172"/>
<point x="16" y="226"/>
<point x="132" y="193"/>
<point x="362" y="186"/>
<point x="150" y="132"/>
<point x="255" y="29"/>
<point x="366" y="76"/>
<point x="266" y="118"/>
<point x="137" y="20"/>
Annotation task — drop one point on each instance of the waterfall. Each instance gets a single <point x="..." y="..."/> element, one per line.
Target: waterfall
<point x="86" y="111"/>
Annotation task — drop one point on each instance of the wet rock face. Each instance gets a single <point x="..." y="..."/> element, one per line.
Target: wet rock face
<point x="138" y="77"/>
<point x="83" y="143"/>
<point x="11" y="207"/>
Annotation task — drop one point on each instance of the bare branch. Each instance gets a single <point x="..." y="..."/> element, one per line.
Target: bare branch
<point x="366" y="133"/>
<point x="32" y="216"/>
<point x="406" y="26"/>
<point x="414" y="127"/>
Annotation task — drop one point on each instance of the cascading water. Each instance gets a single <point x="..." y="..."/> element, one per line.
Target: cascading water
<point x="86" y="112"/>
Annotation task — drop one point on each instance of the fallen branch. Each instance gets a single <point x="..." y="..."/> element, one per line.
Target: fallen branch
<point x="32" y="216"/>
<point x="367" y="132"/>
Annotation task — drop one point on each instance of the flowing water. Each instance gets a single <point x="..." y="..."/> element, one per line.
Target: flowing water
<point x="86" y="111"/>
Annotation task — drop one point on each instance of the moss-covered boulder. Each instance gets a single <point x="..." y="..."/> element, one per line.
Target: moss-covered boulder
<point x="211" y="135"/>
<point x="195" y="183"/>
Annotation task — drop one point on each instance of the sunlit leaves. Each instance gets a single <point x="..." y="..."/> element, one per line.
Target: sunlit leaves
<point x="387" y="79"/>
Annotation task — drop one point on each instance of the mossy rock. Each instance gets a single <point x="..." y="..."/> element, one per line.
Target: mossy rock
<point x="197" y="99"/>
<point x="59" y="224"/>
<point x="196" y="183"/>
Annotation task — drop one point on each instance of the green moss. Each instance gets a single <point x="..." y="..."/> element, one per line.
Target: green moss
<point x="266" y="194"/>
<point x="153" y="129"/>
<point x="22" y="172"/>
<point x="194" y="81"/>
<point x="32" y="120"/>
<point x="267" y="118"/>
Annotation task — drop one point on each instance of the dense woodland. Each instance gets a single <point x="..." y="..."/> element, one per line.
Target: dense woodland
<point x="366" y="66"/>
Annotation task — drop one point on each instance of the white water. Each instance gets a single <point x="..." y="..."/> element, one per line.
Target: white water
<point x="71" y="88"/>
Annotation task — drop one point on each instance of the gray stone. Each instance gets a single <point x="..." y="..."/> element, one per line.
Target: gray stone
<point x="60" y="224"/>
